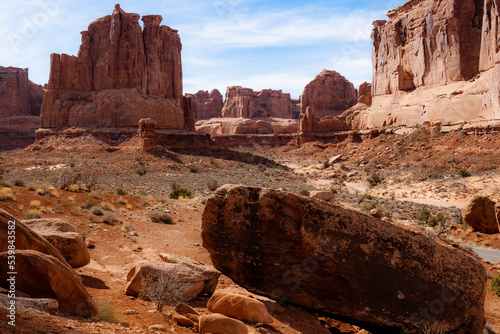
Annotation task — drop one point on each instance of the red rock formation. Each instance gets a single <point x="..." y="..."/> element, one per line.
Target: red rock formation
<point x="122" y="74"/>
<point x="18" y="95"/>
<point x="365" y="93"/>
<point x="245" y="103"/>
<point x="207" y="105"/>
<point x="248" y="126"/>
<point x="147" y="133"/>
<point x="329" y="94"/>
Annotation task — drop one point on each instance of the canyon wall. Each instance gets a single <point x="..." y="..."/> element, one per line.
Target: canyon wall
<point x="435" y="61"/>
<point x="245" y="103"/>
<point x="122" y="74"/>
<point x="329" y="94"/>
<point x="207" y="105"/>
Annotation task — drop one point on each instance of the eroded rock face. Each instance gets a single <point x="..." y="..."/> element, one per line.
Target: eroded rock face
<point x="44" y="276"/>
<point x="123" y="73"/>
<point x="239" y="307"/>
<point x="332" y="259"/>
<point x="240" y="126"/>
<point x="147" y="133"/>
<point x="207" y="105"/>
<point x="245" y="103"/>
<point x="18" y="95"/>
<point x="329" y="94"/>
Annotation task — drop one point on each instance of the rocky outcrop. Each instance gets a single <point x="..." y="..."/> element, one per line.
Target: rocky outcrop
<point x="64" y="237"/>
<point x="207" y="105"/>
<point x="365" y="94"/>
<point x="329" y="94"/>
<point x="245" y="103"/>
<point x="147" y="134"/>
<point x="43" y="276"/>
<point x="328" y="258"/>
<point x="122" y="74"/>
<point x="479" y="212"/>
<point x="239" y="126"/>
<point x="26" y="238"/>
<point x="18" y="95"/>
<point x="218" y="323"/>
<point x="239" y="307"/>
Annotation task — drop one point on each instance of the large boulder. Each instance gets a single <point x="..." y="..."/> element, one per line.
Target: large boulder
<point x="220" y="324"/>
<point x="172" y="282"/>
<point x="26" y="238"/>
<point x="209" y="273"/>
<point x="336" y="260"/>
<point x="239" y="307"/>
<point x="43" y="276"/>
<point x="64" y="237"/>
<point x="479" y="212"/>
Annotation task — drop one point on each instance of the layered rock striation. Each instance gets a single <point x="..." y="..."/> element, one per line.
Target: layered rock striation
<point x="18" y="95"/>
<point x="329" y="94"/>
<point x="122" y="74"/>
<point x="207" y="105"/>
<point x="246" y="103"/>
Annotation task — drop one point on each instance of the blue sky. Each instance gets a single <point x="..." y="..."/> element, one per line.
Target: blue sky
<point x="250" y="43"/>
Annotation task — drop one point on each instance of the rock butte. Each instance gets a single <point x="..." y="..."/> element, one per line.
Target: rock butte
<point x="122" y="74"/>
<point x="207" y="105"/>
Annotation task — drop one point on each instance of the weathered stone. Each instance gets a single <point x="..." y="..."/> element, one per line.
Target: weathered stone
<point x="239" y="307"/>
<point x="365" y="93"/>
<point x="183" y="308"/>
<point x="328" y="258"/>
<point x="207" y="105"/>
<point x="182" y="320"/>
<point x="322" y="195"/>
<point x="245" y="103"/>
<point x="122" y="74"/>
<point x="246" y="126"/>
<point x="329" y="94"/>
<point x="43" y="276"/>
<point x="479" y="212"/>
<point x="209" y="273"/>
<point x="43" y="304"/>
<point x="26" y="238"/>
<point x="64" y="237"/>
<point x="220" y="324"/>
<point x="19" y="95"/>
<point x="182" y="282"/>
<point x="147" y="134"/>
<point x="157" y="328"/>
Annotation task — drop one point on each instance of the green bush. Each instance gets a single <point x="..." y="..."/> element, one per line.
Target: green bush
<point x="212" y="185"/>
<point x="305" y="192"/>
<point x="194" y="169"/>
<point x="142" y="171"/>
<point x="180" y="192"/>
<point x="464" y="173"/>
<point x="495" y="286"/>
<point x="425" y="217"/>
<point x="121" y="192"/>
<point x="374" y="179"/>
<point x="161" y="217"/>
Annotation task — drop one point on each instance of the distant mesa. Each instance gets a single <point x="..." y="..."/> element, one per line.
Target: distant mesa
<point x="122" y="74"/>
<point x="207" y="105"/>
<point x="20" y="103"/>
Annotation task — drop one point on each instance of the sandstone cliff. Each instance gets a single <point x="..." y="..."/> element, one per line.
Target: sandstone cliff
<point x="18" y="95"/>
<point x="329" y="94"/>
<point x="122" y="74"/>
<point x="245" y="103"/>
<point x="207" y="105"/>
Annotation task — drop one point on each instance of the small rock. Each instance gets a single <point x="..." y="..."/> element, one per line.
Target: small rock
<point x="323" y="195"/>
<point x="184" y="308"/>
<point x="157" y="328"/>
<point x="183" y="321"/>
<point x="376" y="213"/>
<point x="124" y="324"/>
<point x="130" y="312"/>
<point x="90" y="243"/>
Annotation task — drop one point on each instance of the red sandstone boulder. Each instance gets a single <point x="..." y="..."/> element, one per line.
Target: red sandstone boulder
<point x="123" y="73"/>
<point x="331" y="259"/>
<point x="26" y="238"/>
<point x="479" y="212"/>
<point x="43" y="276"/>
<point x="239" y="307"/>
<point x="245" y="103"/>
<point x="220" y="324"/>
<point x="64" y="237"/>
<point x="329" y="94"/>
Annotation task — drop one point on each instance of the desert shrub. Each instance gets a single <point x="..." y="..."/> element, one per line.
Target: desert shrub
<point x="19" y="182"/>
<point x="85" y="234"/>
<point x="374" y="179"/>
<point x="44" y="190"/>
<point x="76" y="211"/>
<point x="107" y="206"/>
<point x="495" y="286"/>
<point x="6" y="194"/>
<point x="136" y="248"/>
<point x="425" y="217"/>
<point x="161" y="217"/>
<point x="146" y="201"/>
<point x="35" y="204"/>
<point x="262" y="168"/>
<point x="212" y="185"/>
<point x="121" y="192"/>
<point x="333" y="190"/>
<point x="180" y="192"/>
<point x="194" y="169"/>
<point x="32" y="214"/>
<point x="305" y="192"/>
<point x="464" y="173"/>
<point x="121" y="200"/>
<point x="109" y="218"/>
<point x="107" y="313"/>
<point x="31" y="187"/>
<point x="142" y="171"/>
<point x="74" y="188"/>
<point x="436" y="220"/>
<point x="68" y="179"/>
<point x="163" y="288"/>
<point x="97" y="210"/>
<point x="89" y="203"/>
